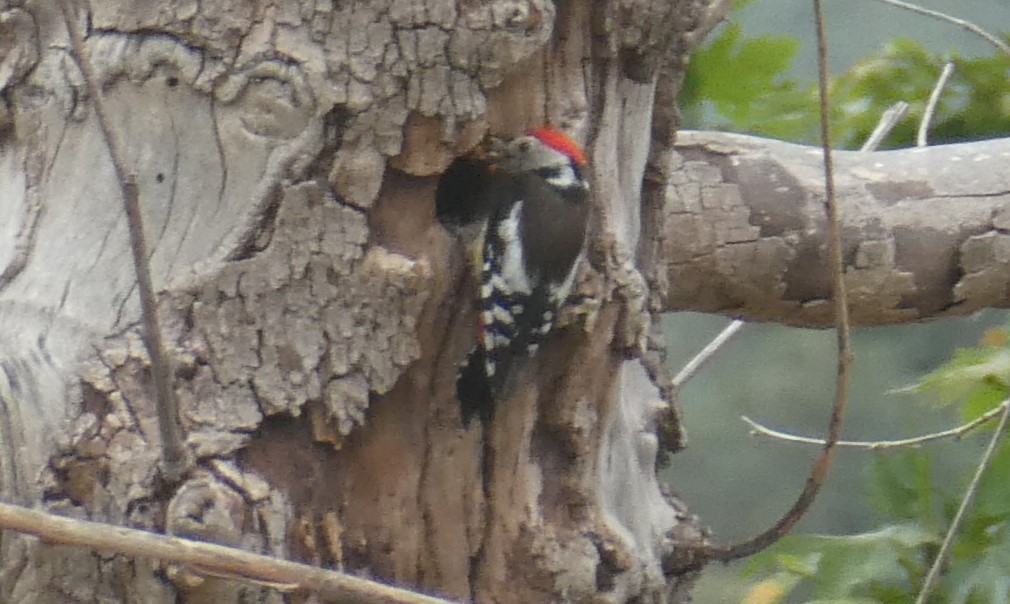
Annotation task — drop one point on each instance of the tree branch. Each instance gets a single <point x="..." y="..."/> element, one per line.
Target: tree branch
<point x="888" y="120"/>
<point x="877" y="445"/>
<point x="728" y="333"/>
<point x="922" y="230"/>
<point x="206" y="557"/>
<point x="934" y="101"/>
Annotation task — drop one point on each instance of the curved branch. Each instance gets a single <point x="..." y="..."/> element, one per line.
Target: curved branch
<point x="822" y="465"/>
<point x="926" y="232"/>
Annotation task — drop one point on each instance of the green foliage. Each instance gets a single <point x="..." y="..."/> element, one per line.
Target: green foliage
<point x="977" y="377"/>
<point x="872" y="567"/>
<point x="888" y="565"/>
<point x="974" y="105"/>
<point x="743" y="82"/>
<point x="901" y="487"/>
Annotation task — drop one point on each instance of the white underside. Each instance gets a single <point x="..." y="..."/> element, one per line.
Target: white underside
<point x="513" y="267"/>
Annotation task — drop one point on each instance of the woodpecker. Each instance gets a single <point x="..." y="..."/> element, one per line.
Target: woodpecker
<point x="463" y="202"/>
<point x="537" y="203"/>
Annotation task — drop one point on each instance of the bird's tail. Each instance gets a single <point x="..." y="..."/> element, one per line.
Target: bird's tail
<point x="475" y="389"/>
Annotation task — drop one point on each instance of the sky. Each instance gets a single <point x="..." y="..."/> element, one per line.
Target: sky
<point x="856" y="28"/>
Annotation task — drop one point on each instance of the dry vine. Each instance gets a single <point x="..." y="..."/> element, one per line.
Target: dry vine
<point x="174" y="455"/>
<point x="822" y="465"/>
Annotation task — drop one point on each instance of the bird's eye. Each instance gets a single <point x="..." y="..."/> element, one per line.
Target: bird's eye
<point x="524" y="146"/>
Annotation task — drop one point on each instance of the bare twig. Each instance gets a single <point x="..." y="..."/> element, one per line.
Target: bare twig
<point x="823" y="464"/>
<point x="888" y="120"/>
<point x="975" y="29"/>
<point x="208" y="558"/>
<point x="173" y="451"/>
<point x="878" y="445"/>
<point x="706" y="354"/>
<point x="969" y="495"/>
<point x="934" y="101"/>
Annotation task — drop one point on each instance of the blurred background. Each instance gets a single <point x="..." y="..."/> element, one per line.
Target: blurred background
<point x="784" y="377"/>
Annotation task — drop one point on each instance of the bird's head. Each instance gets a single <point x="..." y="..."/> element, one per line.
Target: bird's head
<point x="540" y="148"/>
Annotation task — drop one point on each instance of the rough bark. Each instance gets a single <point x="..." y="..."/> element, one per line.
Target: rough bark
<point x="287" y="157"/>
<point x="926" y="232"/>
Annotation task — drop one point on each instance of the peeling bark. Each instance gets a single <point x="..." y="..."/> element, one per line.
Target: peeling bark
<point x="287" y="157"/>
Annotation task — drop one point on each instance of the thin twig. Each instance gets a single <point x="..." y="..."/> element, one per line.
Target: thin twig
<point x="706" y="354"/>
<point x="878" y="445"/>
<point x="175" y="459"/>
<point x="205" y="557"/>
<point x="934" y="101"/>
<point x="969" y="495"/>
<point x="888" y="120"/>
<point x="975" y="29"/>
<point x="823" y="464"/>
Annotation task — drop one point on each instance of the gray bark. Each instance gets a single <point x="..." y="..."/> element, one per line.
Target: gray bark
<point x="926" y="232"/>
<point x="287" y="156"/>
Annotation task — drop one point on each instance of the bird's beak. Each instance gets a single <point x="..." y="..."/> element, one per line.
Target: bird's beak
<point x="489" y="152"/>
<point x="494" y="149"/>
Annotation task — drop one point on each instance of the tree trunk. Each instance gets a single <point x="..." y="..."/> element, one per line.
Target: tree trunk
<point x="315" y="312"/>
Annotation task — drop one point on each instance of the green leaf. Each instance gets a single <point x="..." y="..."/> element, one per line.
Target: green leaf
<point x="901" y="486"/>
<point x="986" y="368"/>
<point x="983" y="397"/>
<point x="733" y="73"/>
<point x="743" y="81"/>
<point x="982" y="579"/>
<point x="992" y="501"/>
<point x="851" y="566"/>
<point x="783" y="558"/>
<point x="772" y="589"/>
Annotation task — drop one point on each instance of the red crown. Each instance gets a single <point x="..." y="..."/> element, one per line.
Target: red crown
<point x="559" y="141"/>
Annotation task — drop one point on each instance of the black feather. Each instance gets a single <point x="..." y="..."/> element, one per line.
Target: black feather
<point x="461" y="196"/>
<point x="474" y="390"/>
